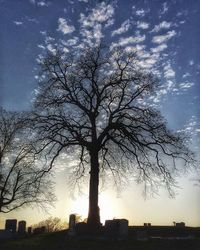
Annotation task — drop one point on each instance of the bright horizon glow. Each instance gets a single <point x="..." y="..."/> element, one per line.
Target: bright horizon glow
<point x="107" y="208"/>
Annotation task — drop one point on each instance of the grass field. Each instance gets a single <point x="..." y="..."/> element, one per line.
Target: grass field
<point x="58" y="241"/>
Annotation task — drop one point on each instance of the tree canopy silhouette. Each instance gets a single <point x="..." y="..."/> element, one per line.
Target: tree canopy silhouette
<point x="96" y="103"/>
<point x="22" y="182"/>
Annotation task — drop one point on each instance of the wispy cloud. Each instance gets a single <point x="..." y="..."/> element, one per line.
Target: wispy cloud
<point x="164" y="38"/>
<point x="165" y="8"/>
<point x="40" y="3"/>
<point x="64" y="27"/>
<point x="142" y="25"/>
<point x="124" y="28"/>
<point x="18" y="23"/>
<point x="186" y="85"/>
<point x="162" y="25"/>
<point x="123" y="41"/>
<point x="100" y="14"/>
<point x="159" y="48"/>
<point x="141" y="12"/>
<point x="168" y="71"/>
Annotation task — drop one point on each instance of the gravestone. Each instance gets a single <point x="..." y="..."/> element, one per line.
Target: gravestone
<point x="72" y="225"/>
<point x="11" y="225"/>
<point x="117" y="228"/>
<point x="81" y="228"/>
<point x="39" y="230"/>
<point x="22" y="227"/>
<point x="4" y="234"/>
<point x="29" y="230"/>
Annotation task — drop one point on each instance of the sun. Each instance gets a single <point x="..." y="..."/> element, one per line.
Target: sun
<point x="106" y="204"/>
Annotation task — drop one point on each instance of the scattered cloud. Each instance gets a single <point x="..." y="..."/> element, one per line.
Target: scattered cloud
<point x="141" y="12"/>
<point x="100" y="14"/>
<point x="142" y="25"/>
<point x="186" y="85"/>
<point x="162" y="25"/>
<point x="124" y="28"/>
<point x="51" y="48"/>
<point x="129" y="40"/>
<point x="40" y="3"/>
<point x="64" y="27"/>
<point x="191" y="62"/>
<point x="18" y="23"/>
<point x="186" y="75"/>
<point x="164" y="38"/>
<point x="164" y="8"/>
<point x="159" y="48"/>
<point x="168" y="71"/>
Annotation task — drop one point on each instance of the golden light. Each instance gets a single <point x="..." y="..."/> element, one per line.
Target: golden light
<point x="107" y="207"/>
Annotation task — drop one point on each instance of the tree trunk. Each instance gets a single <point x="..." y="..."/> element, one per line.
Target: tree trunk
<point x="93" y="214"/>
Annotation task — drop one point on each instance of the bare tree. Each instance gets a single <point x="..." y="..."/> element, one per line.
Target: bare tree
<point x="96" y="104"/>
<point x="52" y="224"/>
<point x="21" y="181"/>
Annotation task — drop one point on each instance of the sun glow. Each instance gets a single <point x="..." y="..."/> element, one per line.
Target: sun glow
<point x="107" y="208"/>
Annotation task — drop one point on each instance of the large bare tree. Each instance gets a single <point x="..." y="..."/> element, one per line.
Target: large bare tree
<point x="22" y="182"/>
<point x="96" y="103"/>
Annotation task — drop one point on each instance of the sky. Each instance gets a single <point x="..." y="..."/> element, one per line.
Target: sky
<point x="166" y="36"/>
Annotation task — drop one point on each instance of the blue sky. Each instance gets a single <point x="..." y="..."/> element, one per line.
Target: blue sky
<point x="166" y="35"/>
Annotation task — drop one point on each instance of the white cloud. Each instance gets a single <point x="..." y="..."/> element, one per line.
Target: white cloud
<point x="191" y="62"/>
<point x="110" y="22"/>
<point x="129" y="40"/>
<point x="187" y="74"/>
<point x="124" y="27"/>
<point x="186" y="85"/>
<point x="64" y="27"/>
<point x="164" y="8"/>
<point x="51" y="48"/>
<point x="140" y="12"/>
<point x="18" y="23"/>
<point x="162" y="25"/>
<point x="164" y="38"/>
<point x="100" y="14"/>
<point x="40" y="3"/>
<point x="72" y="41"/>
<point x="142" y="25"/>
<point x="168" y="71"/>
<point x="159" y="48"/>
<point x="85" y="1"/>
<point x="43" y="3"/>
<point x="41" y="46"/>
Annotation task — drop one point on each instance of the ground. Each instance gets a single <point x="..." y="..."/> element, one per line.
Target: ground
<point x="58" y="241"/>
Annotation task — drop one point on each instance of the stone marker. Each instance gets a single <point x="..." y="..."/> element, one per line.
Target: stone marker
<point x="81" y="228"/>
<point x="72" y="225"/>
<point x="11" y="225"/>
<point x="117" y="228"/>
<point x="4" y="234"/>
<point x="22" y="227"/>
<point x="29" y="230"/>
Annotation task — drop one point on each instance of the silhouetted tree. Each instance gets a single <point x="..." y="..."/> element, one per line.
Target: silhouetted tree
<point x="21" y="181"/>
<point x="96" y="103"/>
<point x="52" y="224"/>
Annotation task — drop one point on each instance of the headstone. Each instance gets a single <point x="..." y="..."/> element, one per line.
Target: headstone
<point x="29" y="230"/>
<point x="11" y="225"/>
<point x="4" y="234"/>
<point x="81" y="228"/>
<point x="22" y="227"/>
<point x="180" y="224"/>
<point x="39" y="230"/>
<point x="117" y="228"/>
<point x="142" y="235"/>
<point x="123" y="228"/>
<point x="72" y="225"/>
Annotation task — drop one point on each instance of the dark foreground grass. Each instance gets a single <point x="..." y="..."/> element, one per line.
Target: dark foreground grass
<point x="58" y="241"/>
